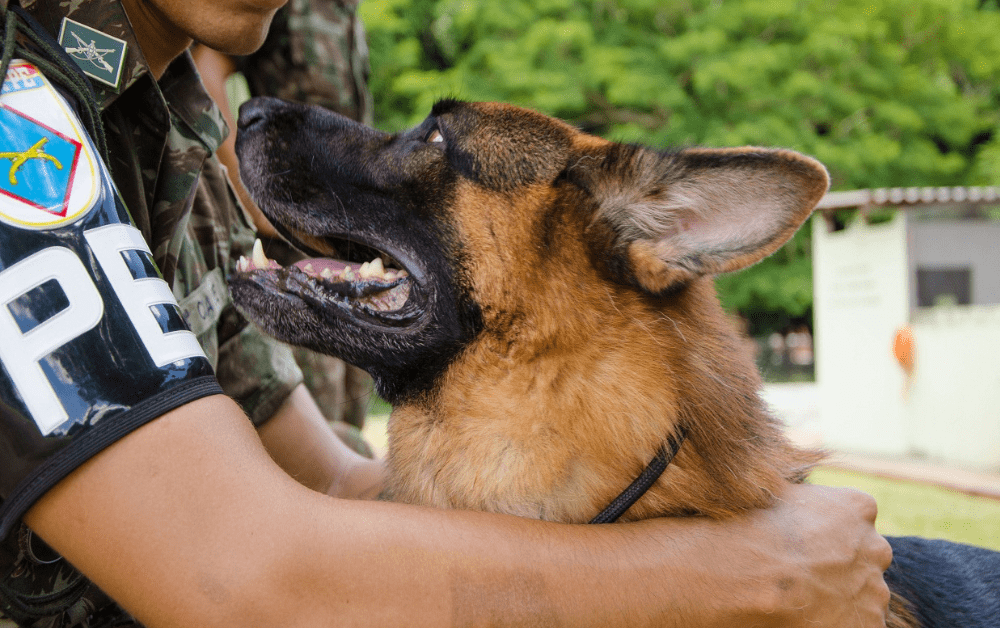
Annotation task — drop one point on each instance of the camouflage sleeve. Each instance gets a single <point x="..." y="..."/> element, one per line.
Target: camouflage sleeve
<point x="255" y="370"/>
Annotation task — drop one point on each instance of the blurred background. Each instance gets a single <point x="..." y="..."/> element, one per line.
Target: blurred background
<point x="878" y="328"/>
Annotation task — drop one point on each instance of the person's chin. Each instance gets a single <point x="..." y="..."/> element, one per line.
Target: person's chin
<point x="240" y="41"/>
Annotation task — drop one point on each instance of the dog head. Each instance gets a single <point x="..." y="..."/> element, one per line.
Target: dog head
<point x="486" y="214"/>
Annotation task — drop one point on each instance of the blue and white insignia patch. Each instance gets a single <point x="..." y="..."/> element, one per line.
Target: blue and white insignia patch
<point x="98" y="54"/>
<point x="48" y="167"/>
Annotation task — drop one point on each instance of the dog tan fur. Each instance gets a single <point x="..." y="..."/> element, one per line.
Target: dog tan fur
<point x="570" y="324"/>
<point x="576" y="381"/>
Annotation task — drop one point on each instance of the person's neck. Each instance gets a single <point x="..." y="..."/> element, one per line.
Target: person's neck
<point x="161" y="42"/>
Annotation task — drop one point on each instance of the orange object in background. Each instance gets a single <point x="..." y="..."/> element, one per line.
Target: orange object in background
<point x="902" y="348"/>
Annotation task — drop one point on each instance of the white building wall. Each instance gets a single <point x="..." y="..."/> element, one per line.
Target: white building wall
<point x="860" y="300"/>
<point x="949" y="409"/>
<point x="953" y="409"/>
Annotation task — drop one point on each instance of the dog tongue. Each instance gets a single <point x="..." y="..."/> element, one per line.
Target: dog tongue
<point x="318" y="265"/>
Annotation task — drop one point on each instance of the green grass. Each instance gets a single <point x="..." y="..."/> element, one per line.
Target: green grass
<point x="912" y="508"/>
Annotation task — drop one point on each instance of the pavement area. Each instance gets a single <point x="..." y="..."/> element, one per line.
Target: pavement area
<point x="798" y="407"/>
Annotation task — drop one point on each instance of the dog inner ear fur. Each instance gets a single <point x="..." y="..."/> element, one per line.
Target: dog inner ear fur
<point x="677" y="216"/>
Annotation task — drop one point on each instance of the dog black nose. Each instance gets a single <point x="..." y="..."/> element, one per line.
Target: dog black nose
<point x="256" y="111"/>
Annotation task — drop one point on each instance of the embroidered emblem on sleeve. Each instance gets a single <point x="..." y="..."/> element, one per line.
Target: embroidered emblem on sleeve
<point x="48" y="173"/>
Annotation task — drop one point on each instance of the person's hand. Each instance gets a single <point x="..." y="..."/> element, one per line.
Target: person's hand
<point x="813" y="559"/>
<point x="822" y="561"/>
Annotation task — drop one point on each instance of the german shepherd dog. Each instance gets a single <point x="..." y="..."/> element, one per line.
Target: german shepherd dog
<point x="538" y="306"/>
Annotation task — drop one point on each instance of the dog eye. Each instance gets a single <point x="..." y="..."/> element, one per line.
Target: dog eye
<point x="435" y="137"/>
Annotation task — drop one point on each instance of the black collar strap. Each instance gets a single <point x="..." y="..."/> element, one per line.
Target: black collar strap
<point x="646" y="479"/>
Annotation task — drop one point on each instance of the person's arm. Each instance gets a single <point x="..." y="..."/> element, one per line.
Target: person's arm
<point x="300" y="440"/>
<point x="188" y="522"/>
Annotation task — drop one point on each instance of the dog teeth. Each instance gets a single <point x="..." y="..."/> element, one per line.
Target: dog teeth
<point x="244" y="265"/>
<point x="256" y="261"/>
<point x="374" y="269"/>
<point x="259" y="259"/>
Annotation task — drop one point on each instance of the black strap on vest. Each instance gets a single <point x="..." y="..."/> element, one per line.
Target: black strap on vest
<point x="646" y="479"/>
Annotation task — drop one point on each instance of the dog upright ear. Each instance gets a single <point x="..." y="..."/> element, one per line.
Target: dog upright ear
<point x="677" y="216"/>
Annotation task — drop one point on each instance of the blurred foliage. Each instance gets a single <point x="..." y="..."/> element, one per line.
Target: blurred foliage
<point x="885" y="93"/>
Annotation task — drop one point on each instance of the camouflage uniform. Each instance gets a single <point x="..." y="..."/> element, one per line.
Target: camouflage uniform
<point x="161" y="137"/>
<point x="315" y="52"/>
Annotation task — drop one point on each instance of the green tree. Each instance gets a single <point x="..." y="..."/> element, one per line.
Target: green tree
<point x="884" y="92"/>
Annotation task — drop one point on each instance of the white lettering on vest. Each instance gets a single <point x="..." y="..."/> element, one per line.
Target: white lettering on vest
<point x="22" y="352"/>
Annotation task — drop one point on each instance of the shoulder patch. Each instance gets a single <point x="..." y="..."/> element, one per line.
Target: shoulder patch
<point x="98" y="54"/>
<point x="48" y="167"/>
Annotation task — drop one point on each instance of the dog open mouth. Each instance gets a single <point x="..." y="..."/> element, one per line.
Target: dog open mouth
<point x="377" y="290"/>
